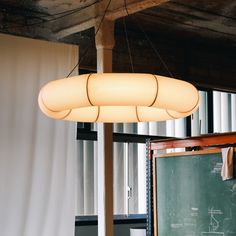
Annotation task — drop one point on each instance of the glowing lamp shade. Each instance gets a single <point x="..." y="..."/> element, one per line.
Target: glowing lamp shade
<point x="118" y="97"/>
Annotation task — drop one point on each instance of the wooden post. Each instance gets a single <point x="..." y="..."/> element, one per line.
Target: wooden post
<point x="104" y="45"/>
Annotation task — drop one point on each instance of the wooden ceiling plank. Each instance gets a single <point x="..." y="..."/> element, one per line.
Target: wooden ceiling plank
<point x="198" y="18"/>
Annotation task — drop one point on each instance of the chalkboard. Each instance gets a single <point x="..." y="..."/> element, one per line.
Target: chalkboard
<point x="192" y="199"/>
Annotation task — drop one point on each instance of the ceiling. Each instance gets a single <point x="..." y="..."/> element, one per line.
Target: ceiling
<point x="191" y="40"/>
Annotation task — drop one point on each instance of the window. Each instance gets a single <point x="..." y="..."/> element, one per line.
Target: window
<point x="224" y="110"/>
<point x="130" y="158"/>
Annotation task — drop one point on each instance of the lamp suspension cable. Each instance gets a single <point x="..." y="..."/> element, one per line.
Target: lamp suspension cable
<point x="128" y="45"/>
<point x="154" y="48"/>
<point x="87" y="48"/>
<point x="149" y="40"/>
<point x="127" y="38"/>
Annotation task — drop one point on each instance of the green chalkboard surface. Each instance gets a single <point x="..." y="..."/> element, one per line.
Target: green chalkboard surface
<point x="192" y="199"/>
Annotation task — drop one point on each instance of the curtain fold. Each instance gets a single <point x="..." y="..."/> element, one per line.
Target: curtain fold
<point x="37" y="154"/>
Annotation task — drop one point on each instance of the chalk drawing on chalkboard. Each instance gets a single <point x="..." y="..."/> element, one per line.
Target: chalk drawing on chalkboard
<point x="214" y="224"/>
<point x="190" y="222"/>
<point x="234" y="188"/>
<point x="176" y="226"/>
<point x="194" y="212"/>
<point x="217" y="168"/>
<point x="233" y="195"/>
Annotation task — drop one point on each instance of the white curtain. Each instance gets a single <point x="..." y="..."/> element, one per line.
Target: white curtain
<point x="37" y="162"/>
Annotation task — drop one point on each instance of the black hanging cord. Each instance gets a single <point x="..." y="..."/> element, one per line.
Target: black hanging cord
<point x="154" y="48"/>
<point x="126" y="9"/>
<point x="128" y="45"/>
<point x="127" y="38"/>
<point x="149" y="41"/>
<point x="87" y="48"/>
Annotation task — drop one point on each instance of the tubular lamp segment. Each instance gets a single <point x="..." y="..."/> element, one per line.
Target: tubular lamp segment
<point x="118" y="97"/>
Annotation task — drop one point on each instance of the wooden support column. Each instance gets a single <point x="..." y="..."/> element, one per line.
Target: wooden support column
<point x="104" y="45"/>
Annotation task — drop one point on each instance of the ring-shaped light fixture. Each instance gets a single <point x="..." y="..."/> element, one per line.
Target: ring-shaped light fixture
<point x="118" y="97"/>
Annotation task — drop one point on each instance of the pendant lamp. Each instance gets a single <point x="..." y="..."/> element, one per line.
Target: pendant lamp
<point x="118" y="97"/>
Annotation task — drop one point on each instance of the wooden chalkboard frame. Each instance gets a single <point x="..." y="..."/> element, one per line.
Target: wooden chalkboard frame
<point x="210" y="143"/>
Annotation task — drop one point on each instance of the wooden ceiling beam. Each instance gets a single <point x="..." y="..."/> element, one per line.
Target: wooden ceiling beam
<point x="88" y="17"/>
<point x="132" y="8"/>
